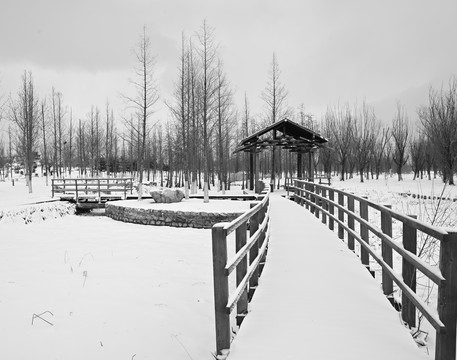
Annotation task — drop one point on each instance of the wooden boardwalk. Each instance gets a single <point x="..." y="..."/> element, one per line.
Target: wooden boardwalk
<point x="329" y="306"/>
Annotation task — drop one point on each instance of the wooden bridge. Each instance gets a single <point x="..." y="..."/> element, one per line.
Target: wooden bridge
<point x="314" y="289"/>
<point x="92" y="193"/>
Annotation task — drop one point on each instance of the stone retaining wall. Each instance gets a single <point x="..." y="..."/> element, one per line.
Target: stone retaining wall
<point x="199" y="220"/>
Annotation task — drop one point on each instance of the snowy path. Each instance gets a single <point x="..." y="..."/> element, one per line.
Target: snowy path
<point x="316" y="301"/>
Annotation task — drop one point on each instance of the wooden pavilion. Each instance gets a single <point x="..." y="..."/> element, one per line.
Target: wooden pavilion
<point x="286" y="134"/>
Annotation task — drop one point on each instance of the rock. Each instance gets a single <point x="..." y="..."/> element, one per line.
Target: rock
<point x="167" y="195"/>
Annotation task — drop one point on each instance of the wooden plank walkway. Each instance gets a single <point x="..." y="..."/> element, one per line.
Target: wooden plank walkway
<point x="329" y="306"/>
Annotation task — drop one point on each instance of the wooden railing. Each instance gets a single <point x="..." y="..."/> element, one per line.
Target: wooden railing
<point x="321" y="201"/>
<point x="92" y="187"/>
<point x="248" y="263"/>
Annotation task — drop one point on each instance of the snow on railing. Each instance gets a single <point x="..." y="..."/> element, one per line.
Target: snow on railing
<point x="248" y="262"/>
<point x="320" y="200"/>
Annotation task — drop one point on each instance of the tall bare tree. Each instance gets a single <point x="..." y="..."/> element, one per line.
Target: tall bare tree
<point x="109" y="139"/>
<point x="44" y="126"/>
<point x="378" y="152"/>
<point x="400" y="135"/>
<point x="181" y="110"/>
<point x="417" y="150"/>
<point x="146" y="96"/>
<point x="274" y="95"/>
<point x="25" y="115"/>
<point x="58" y="114"/>
<point x="208" y="62"/>
<point x="340" y="120"/>
<point x="439" y="121"/>
<point x="363" y="137"/>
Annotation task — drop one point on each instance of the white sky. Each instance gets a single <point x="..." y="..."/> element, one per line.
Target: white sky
<point x="328" y="51"/>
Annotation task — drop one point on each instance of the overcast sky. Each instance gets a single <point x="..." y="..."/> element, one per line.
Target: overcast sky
<point x="328" y="51"/>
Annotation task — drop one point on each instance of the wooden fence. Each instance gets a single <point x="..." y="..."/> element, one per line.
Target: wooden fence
<point x="248" y="263"/>
<point x="94" y="187"/>
<point x="337" y="207"/>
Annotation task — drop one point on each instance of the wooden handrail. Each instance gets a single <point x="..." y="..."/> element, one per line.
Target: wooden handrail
<point x="421" y="265"/>
<point x="250" y="254"/>
<point x="320" y="199"/>
<point x="92" y="185"/>
<point x="232" y="264"/>
<point x="429" y="229"/>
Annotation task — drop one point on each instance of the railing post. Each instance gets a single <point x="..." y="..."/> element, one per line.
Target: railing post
<point x="316" y="190"/>
<point x="76" y="187"/>
<point x="364" y="233"/>
<point x="386" y="228"/>
<point x="99" y="193"/>
<point x="307" y="196"/>
<point x="340" y="215"/>
<point x="296" y="192"/>
<point x="295" y="189"/>
<point x="262" y="238"/>
<point x="241" y="270"/>
<point x="221" y="288"/>
<point x="52" y="187"/>
<point x="331" y="207"/>
<point x="351" y="245"/>
<point x="408" y="310"/>
<point x="324" y="206"/>
<point x="253" y="226"/>
<point x="445" y="347"/>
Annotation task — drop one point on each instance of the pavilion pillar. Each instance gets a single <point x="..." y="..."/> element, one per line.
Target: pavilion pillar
<point x="310" y="167"/>
<point x="273" y="163"/>
<point x="251" y="169"/>
<point x="256" y="173"/>
<point x="299" y="166"/>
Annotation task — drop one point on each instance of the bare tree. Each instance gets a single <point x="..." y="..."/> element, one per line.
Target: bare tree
<point x="274" y="95"/>
<point x="68" y="145"/>
<point x="145" y="98"/>
<point x="341" y="120"/>
<point x="363" y="137"/>
<point x="109" y="139"/>
<point x="58" y="114"/>
<point x="44" y="126"/>
<point x="182" y="111"/>
<point x="378" y="151"/>
<point x="224" y="105"/>
<point x="25" y="115"/>
<point x="400" y="135"/>
<point x="81" y="143"/>
<point x="417" y="152"/>
<point x="439" y="121"/>
<point x="208" y="60"/>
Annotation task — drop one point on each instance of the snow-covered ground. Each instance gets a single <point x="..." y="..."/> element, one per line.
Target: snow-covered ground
<point x="114" y="290"/>
<point x="13" y="196"/>
<point x="105" y="289"/>
<point x="111" y="290"/>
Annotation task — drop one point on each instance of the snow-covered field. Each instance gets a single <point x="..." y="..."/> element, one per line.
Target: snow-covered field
<point x="105" y="289"/>
<point x="389" y="191"/>
<point x="111" y="290"/>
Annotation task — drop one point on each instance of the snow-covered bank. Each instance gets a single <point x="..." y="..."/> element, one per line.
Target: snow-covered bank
<point x="27" y="214"/>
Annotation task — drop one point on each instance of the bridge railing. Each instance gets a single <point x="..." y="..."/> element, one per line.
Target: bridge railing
<point x="334" y="206"/>
<point x="92" y="186"/>
<point x="248" y="263"/>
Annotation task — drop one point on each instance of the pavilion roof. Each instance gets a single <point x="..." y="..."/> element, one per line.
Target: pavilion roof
<point x="284" y="133"/>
